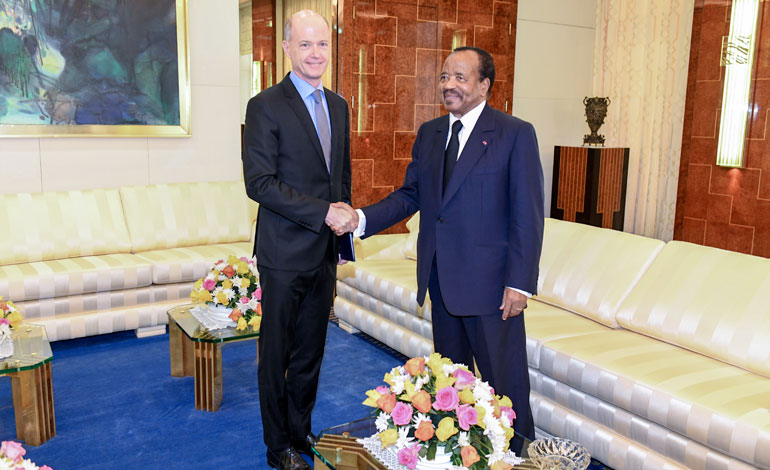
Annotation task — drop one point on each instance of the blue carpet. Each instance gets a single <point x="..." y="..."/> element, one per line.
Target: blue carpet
<point x="117" y="406"/>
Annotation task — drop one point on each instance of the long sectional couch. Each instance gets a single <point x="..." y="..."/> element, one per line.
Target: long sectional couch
<point x="98" y="261"/>
<point x="652" y="355"/>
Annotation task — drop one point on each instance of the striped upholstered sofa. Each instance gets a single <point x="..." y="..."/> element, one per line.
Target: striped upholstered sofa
<point x="91" y="262"/>
<point x="653" y="355"/>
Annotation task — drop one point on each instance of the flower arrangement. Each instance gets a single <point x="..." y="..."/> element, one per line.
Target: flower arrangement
<point x="233" y="284"/>
<point x="431" y="402"/>
<point x="12" y="458"/>
<point x="9" y="313"/>
<point x="9" y="318"/>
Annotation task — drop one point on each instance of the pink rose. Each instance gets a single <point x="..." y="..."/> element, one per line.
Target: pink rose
<point x="244" y="300"/>
<point x="467" y="416"/>
<point x="446" y="399"/>
<point x="464" y="378"/>
<point x="257" y="294"/>
<point x="401" y="414"/>
<point x="382" y="389"/>
<point x="209" y="284"/>
<point x="4" y="321"/>
<point x="244" y="259"/>
<point x="409" y="455"/>
<point x="46" y="467"/>
<point x="509" y="413"/>
<point x="13" y="451"/>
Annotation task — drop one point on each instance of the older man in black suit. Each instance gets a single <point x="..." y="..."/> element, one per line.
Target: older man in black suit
<point x="296" y="164"/>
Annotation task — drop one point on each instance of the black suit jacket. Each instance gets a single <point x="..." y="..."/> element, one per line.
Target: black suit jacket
<point x="486" y="228"/>
<point x="285" y="172"/>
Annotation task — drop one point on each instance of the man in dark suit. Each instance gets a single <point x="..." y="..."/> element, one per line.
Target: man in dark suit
<point x="296" y="165"/>
<point x="477" y="181"/>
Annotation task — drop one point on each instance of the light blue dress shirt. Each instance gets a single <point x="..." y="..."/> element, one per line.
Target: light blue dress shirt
<point x="305" y="91"/>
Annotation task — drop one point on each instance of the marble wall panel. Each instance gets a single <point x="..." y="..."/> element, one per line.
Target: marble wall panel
<point x="726" y="208"/>
<point x="390" y="67"/>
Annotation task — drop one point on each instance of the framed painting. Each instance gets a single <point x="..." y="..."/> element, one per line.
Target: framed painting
<point x="102" y="68"/>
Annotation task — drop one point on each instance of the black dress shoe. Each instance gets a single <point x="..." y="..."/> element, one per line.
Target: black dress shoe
<point x="287" y="459"/>
<point x="305" y="445"/>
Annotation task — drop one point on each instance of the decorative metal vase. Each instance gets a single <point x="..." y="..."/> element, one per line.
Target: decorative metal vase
<point x="596" y="111"/>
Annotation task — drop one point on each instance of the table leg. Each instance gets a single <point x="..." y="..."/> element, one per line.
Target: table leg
<point x="181" y="351"/>
<point x="33" y="404"/>
<point x="208" y="376"/>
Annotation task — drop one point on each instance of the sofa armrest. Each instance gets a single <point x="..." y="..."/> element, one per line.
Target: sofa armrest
<point x="386" y="246"/>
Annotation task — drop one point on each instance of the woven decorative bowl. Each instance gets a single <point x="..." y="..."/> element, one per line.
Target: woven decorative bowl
<point x="555" y="453"/>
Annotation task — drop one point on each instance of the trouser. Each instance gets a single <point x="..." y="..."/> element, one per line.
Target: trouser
<point x="498" y="347"/>
<point x="295" y="314"/>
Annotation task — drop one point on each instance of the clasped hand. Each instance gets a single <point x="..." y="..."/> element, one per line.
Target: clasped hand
<point x="341" y="218"/>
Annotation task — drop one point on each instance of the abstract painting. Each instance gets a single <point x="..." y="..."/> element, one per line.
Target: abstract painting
<point x="94" y="68"/>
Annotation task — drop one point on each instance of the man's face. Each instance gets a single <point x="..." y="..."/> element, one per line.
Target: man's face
<point x="461" y="89"/>
<point x="308" y="47"/>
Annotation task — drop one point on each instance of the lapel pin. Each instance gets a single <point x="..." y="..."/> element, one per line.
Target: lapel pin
<point x="484" y="142"/>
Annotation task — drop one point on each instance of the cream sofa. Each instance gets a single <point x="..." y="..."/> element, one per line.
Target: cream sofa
<point x="652" y="355"/>
<point x="98" y="261"/>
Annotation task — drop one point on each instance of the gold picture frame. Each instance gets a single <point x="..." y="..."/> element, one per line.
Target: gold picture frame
<point x="152" y="61"/>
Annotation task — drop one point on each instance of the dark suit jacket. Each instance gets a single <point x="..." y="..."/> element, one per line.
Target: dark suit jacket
<point x="285" y="172"/>
<point x="486" y="230"/>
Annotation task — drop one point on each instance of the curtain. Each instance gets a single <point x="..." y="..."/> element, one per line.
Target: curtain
<point x="641" y="62"/>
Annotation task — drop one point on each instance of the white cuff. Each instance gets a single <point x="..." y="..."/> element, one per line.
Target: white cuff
<point x="361" y="229"/>
<point x="529" y="296"/>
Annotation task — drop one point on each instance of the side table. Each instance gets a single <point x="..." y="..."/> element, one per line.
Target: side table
<point x="31" y="385"/>
<point x="197" y="351"/>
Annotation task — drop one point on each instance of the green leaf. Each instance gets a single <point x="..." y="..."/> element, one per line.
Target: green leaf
<point x="431" y="451"/>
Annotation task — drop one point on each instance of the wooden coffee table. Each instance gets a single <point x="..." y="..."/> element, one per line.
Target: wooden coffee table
<point x="197" y="351"/>
<point x="30" y="371"/>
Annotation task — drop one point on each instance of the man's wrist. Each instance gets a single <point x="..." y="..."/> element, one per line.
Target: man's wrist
<point x="361" y="229"/>
<point x="529" y="296"/>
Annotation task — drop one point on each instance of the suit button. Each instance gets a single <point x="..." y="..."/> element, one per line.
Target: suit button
<point x="440" y="220"/>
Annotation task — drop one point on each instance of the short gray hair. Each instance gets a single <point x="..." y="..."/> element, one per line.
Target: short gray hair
<point x="287" y="25"/>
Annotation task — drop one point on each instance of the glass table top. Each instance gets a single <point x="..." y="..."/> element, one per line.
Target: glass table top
<point x="31" y="349"/>
<point x="194" y="330"/>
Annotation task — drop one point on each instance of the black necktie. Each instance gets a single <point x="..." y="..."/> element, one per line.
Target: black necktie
<point x="450" y="155"/>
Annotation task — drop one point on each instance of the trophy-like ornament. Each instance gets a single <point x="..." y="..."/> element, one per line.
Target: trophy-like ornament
<point x="596" y="111"/>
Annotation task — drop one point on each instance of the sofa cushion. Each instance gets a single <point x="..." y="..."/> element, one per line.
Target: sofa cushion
<point x="190" y="263"/>
<point x="716" y="404"/>
<point x="34" y="310"/>
<point x="712" y="301"/>
<point x="545" y="323"/>
<point x="56" y="225"/>
<point x="392" y="281"/>
<point x="187" y="214"/>
<point x="410" y="246"/>
<point x="73" y="276"/>
<point x="589" y="270"/>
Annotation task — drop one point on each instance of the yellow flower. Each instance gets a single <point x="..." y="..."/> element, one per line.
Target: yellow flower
<point x="227" y="284"/>
<point x="245" y="283"/>
<point x="255" y="322"/>
<point x="443" y="380"/>
<point x="388" y="437"/>
<point x="14" y="318"/>
<point x="372" y="397"/>
<point x="198" y="284"/>
<point x="505" y="401"/>
<point x="446" y="429"/>
<point x="216" y="274"/>
<point x="222" y="299"/>
<point x="241" y="267"/>
<point x="436" y="362"/>
<point x="480" y="413"/>
<point x="408" y="392"/>
<point x="500" y="465"/>
<point x="508" y="435"/>
<point x="466" y="396"/>
<point x="195" y="296"/>
<point x="205" y="296"/>
<point x="241" y="324"/>
<point x="232" y="260"/>
<point x="389" y="379"/>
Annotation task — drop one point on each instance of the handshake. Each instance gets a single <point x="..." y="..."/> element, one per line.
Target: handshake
<point x="341" y="218"/>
